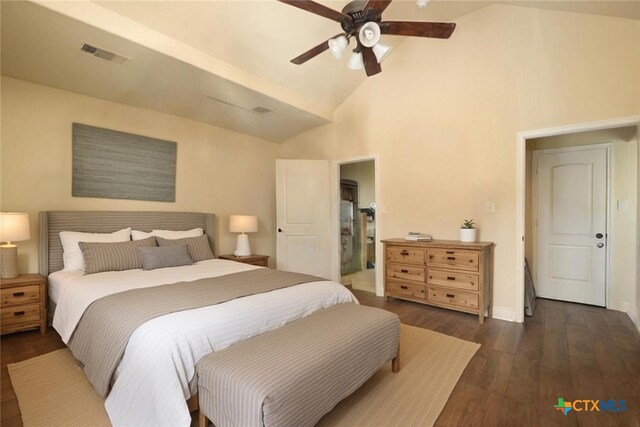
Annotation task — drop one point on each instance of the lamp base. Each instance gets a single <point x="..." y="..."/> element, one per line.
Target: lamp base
<point x="242" y="245"/>
<point x="8" y="261"/>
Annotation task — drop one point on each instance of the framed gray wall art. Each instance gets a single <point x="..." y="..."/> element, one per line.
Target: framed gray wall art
<point x="118" y="165"/>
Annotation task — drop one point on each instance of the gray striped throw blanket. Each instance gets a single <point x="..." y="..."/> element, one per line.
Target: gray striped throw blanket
<point x="103" y="332"/>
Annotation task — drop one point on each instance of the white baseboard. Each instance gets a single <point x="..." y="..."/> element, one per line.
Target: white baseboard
<point x="504" y="313"/>
<point x="627" y="308"/>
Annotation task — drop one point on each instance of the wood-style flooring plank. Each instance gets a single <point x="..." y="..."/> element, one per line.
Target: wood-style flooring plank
<point x="579" y="342"/>
<point x="573" y="314"/>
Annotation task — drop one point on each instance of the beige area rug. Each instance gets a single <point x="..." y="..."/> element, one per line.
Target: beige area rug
<point x="53" y="391"/>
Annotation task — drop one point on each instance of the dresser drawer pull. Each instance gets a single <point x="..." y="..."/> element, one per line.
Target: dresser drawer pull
<point x="404" y="252"/>
<point x="404" y="271"/>
<point x="450" y="252"/>
<point x="404" y="287"/>
<point x="452" y="258"/>
<point x="18" y="294"/>
<point x="451" y="278"/>
<point x="451" y="296"/>
<point x="19" y="313"/>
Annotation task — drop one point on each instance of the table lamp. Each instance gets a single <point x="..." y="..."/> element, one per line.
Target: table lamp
<point x="14" y="227"/>
<point x="243" y="224"/>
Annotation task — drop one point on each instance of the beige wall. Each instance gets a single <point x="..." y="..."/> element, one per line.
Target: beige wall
<point x="218" y="171"/>
<point x="623" y="256"/>
<point x="443" y="117"/>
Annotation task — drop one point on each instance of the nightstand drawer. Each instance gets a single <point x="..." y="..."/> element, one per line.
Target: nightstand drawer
<point x="453" y="279"/>
<point x="406" y="289"/>
<point x="20" y="295"/>
<point x="460" y="259"/>
<point x="405" y="255"/>
<point x="451" y="297"/>
<point x="20" y="314"/>
<point x="405" y="272"/>
<point x="260" y="262"/>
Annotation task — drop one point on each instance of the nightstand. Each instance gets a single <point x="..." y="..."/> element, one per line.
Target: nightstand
<point x="24" y="303"/>
<point x="261" y="260"/>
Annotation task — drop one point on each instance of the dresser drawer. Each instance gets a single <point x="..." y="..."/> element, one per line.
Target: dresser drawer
<point x="405" y="272"/>
<point x="453" y="279"/>
<point x="405" y="255"/>
<point x="20" y="295"/>
<point x="452" y="297"/>
<point x="406" y="289"/>
<point x="20" y="314"/>
<point x="459" y="259"/>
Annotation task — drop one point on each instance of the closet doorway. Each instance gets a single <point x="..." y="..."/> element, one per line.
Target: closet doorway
<point x="357" y="224"/>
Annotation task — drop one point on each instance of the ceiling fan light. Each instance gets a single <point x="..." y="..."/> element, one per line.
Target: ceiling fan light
<point x="355" y="62"/>
<point x="369" y="34"/>
<point x="337" y="46"/>
<point x="381" y="51"/>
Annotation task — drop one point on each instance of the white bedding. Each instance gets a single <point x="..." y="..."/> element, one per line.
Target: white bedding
<point x="152" y="380"/>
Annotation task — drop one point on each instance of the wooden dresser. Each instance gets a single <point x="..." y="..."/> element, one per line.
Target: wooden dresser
<point x="444" y="273"/>
<point x="23" y="303"/>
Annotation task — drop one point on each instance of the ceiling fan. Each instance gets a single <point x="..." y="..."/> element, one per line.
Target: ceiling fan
<point x="362" y="20"/>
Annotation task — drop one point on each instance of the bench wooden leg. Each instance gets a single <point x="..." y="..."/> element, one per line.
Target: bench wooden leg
<point x="395" y="363"/>
<point x="202" y="420"/>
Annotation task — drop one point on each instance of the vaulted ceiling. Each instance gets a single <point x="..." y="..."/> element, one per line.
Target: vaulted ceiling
<point x="211" y="61"/>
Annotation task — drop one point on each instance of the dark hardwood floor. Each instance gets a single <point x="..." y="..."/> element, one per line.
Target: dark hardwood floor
<point x="566" y="350"/>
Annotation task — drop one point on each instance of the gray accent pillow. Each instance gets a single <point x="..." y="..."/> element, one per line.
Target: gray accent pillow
<point x="168" y="256"/>
<point x="198" y="247"/>
<point x="99" y="257"/>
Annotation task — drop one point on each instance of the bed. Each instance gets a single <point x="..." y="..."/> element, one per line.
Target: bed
<point x="156" y="375"/>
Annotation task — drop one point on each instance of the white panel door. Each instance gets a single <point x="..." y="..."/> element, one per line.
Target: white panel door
<point x="303" y="216"/>
<point x="572" y="219"/>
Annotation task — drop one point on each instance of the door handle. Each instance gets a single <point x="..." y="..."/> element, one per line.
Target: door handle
<point x="600" y="245"/>
<point x="599" y="235"/>
<point x="279" y="230"/>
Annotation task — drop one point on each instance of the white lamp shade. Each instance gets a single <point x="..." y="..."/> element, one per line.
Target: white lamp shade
<point x="369" y="34"/>
<point x="381" y="51"/>
<point x="337" y="46"/>
<point x="355" y="62"/>
<point x="14" y="227"/>
<point x="243" y="223"/>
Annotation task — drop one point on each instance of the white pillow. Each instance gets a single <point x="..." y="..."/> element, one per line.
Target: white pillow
<point x="72" y="256"/>
<point x="167" y="234"/>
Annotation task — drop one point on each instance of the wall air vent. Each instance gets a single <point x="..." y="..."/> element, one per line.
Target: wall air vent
<point x="262" y="110"/>
<point x="104" y="54"/>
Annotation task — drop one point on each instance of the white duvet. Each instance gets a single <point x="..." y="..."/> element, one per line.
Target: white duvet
<point x="152" y="380"/>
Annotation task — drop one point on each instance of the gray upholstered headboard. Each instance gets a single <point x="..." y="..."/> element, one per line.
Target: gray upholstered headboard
<point x="53" y="222"/>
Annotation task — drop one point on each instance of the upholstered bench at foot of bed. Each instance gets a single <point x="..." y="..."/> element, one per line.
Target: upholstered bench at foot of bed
<point x="294" y="375"/>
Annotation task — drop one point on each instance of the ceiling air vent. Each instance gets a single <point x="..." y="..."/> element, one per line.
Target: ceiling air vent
<point x="258" y="109"/>
<point x="104" y="54"/>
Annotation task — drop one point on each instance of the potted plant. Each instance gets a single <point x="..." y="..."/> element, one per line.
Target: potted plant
<point x="468" y="231"/>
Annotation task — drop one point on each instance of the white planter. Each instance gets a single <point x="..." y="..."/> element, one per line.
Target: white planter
<point x="468" y="235"/>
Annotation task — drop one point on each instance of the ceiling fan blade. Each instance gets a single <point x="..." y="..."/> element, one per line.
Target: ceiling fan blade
<point x="377" y="5"/>
<point x="313" y="52"/>
<point x="438" y="30"/>
<point x="318" y="9"/>
<point x="371" y="66"/>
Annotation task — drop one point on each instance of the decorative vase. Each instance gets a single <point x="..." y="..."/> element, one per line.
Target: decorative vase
<point x="468" y="235"/>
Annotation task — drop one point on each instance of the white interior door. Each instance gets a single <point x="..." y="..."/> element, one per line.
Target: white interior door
<point x="303" y="216"/>
<point x="572" y="219"/>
